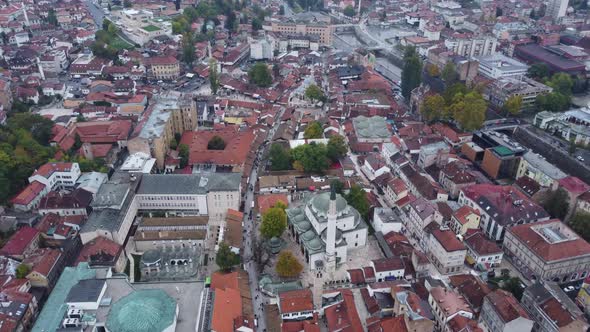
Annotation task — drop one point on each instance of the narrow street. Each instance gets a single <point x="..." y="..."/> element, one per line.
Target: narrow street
<point x="96" y="13"/>
<point x="251" y="233"/>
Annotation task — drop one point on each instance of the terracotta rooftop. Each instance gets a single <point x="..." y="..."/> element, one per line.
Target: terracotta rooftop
<point x="571" y="246"/>
<point x="343" y="316"/>
<point x="237" y="146"/>
<point x="388" y="264"/>
<point x="471" y="287"/>
<point x="463" y="212"/>
<point x="19" y="241"/>
<point x="506" y="305"/>
<point x="265" y="202"/>
<point x="449" y="301"/>
<point x="448" y="239"/>
<point x="49" y="168"/>
<point x="481" y="245"/>
<point x="574" y="185"/>
<point x="296" y="301"/>
<point x="29" y="193"/>
<point x="43" y="260"/>
<point x="99" y="249"/>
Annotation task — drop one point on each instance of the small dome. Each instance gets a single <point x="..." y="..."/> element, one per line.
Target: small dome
<point x="308" y="236"/>
<point x="143" y="311"/>
<point x="321" y="203"/>
<point x="299" y="218"/>
<point x="314" y="244"/>
<point x="303" y="226"/>
<point x="296" y="211"/>
<point x="151" y="257"/>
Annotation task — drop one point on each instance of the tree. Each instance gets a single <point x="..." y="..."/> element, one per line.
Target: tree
<point x="51" y="18"/>
<point x="105" y="24"/>
<point x="311" y="158"/>
<point x="282" y="10"/>
<point x="260" y="75"/>
<point x="349" y="11"/>
<point x="338" y="186"/>
<point x="357" y="198"/>
<point x="469" y="110"/>
<point x="274" y="222"/>
<point x="513" y="105"/>
<point x="538" y="71"/>
<point x="256" y="24"/>
<point x="39" y="127"/>
<point x="188" y="49"/>
<point x="216" y="143"/>
<point x="454" y="90"/>
<point x="287" y="265"/>
<point x="572" y="148"/>
<point x="499" y="12"/>
<point x="556" y="203"/>
<point x="313" y="130"/>
<point x="213" y="76"/>
<point x="336" y="148"/>
<point x="552" y="102"/>
<point x="231" y="24"/>
<point x="432" y="108"/>
<point x="225" y="258"/>
<point x="449" y="73"/>
<point x="22" y="270"/>
<point x="112" y="30"/>
<point x="279" y="158"/>
<point x="432" y="70"/>
<point x="514" y="286"/>
<point x="127" y="4"/>
<point x="314" y="93"/>
<point x="183" y="153"/>
<point x="580" y="223"/>
<point x="411" y="73"/>
<point x="562" y="83"/>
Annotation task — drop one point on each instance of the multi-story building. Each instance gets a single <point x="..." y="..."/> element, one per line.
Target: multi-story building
<point x="323" y="30"/>
<point x="482" y="252"/>
<point x="472" y="47"/>
<point x="537" y="168"/>
<point x="499" y="66"/>
<point x="464" y="219"/>
<point x="171" y="113"/>
<point x="154" y="233"/>
<point x="433" y="154"/>
<point x="548" y="250"/>
<point x="501" y="207"/>
<point x="501" y="312"/>
<point x="557" y="9"/>
<point x="395" y="189"/>
<point x="500" y="90"/>
<point x="296" y="304"/>
<point x="447" y="304"/>
<point x="419" y="214"/>
<point x="455" y="176"/>
<point x="551" y="309"/>
<point x="571" y="125"/>
<point x="446" y="252"/>
<point x="54" y="63"/>
<point x="57" y="175"/>
<point x="163" y="67"/>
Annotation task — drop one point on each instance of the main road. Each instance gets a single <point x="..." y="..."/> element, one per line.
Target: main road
<point x="96" y="13"/>
<point x="251" y="233"/>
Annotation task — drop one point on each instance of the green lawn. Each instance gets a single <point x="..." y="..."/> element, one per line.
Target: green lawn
<point x="151" y="28"/>
<point x="120" y="44"/>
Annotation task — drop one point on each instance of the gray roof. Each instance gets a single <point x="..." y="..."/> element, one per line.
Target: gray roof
<point x="188" y="184"/>
<point x="86" y="291"/>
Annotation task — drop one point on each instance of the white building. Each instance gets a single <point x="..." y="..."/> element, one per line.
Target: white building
<point x="311" y="223"/>
<point x="472" y="47"/>
<point x="57" y="175"/>
<point x="386" y="220"/>
<point x="445" y="251"/>
<point x="388" y="268"/>
<point x="138" y="162"/>
<point x="557" y="8"/>
<point x="262" y="49"/>
<point x="419" y="214"/>
<point x="500" y="66"/>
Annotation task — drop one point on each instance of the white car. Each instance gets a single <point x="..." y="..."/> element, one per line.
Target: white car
<point x="568" y="289"/>
<point x="580" y="158"/>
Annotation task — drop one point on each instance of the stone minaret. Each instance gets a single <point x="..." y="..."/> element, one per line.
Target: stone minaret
<point x="331" y="234"/>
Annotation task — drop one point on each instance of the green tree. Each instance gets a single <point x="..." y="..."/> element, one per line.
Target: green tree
<point x="279" y="158"/>
<point x="314" y="93"/>
<point x="313" y="130"/>
<point x="556" y="203"/>
<point x="22" y="271"/>
<point x="51" y="18"/>
<point x="127" y="4"/>
<point x="412" y="72"/>
<point x="183" y="153"/>
<point x="188" y="49"/>
<point x="357" y="198"/>
<point x="39" y="127"/>
<point x="454" y="90"/>
<point x="433" y="108"/>
<point x="513" y="105"/>
<point x="573" y="147"/>
<point x="105" y="24"/>
<point x="225" y="258"/>
<point x="562" y="83"/>
<point x="213" y="76"/>
<point x="112" y="29"/>
<point x="349" y="11"/>
<point x="338" y="186"/>
<point x="274" y="222"/>
<point x="231" y="24"/>
<point x="216" y="143"/>
<point x="513" y="286"/>
<point x="552" y="102"/>
<point x="260" y="75"/>
<point x="449" y="73"/>
<point x="336" y="147"/>
<point x="287" y="265"/>
<point x="282" y="10"/>
<point x="191" y="14"/>
<point x="311" y="158"/>
<point x="469" y="110"/>
<point x="580" y="223"/>
<point x="538" y="71"/>
<point x="432" y="70"/>
<point x="256" y="24"/>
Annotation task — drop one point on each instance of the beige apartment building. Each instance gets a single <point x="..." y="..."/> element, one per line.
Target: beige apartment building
<point x="171" y="113"/>
<point x="548" y="250"/>
<point x="163" y="67"/>
<point x="322" y="30"/>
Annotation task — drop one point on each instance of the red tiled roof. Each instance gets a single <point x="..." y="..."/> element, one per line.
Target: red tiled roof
<point x="49" y="168"/>
<point x="449" y="301"/>
<point x="161" y="60"/>
<point x="19" y="241"/>
<point x="43" y="260"/>
<point x="344" y="316"/>
<point x="463" y="324"/>
<point x="29" y="193"/>
<point x="556" y="312"/>
<point x="471" y="287"/>
<point x="481" y="245"/>
<point x="574" y="185"/>
<point x="296" y="301"/>
<point x="370" y="303"/>
<point x="448" y="239"/>
<point x="265" y="202"/>
<point x="527" y="235"/>
<point x="237" y="146"/>
<point x="356" y="276"/>
<point x="99" y="245"/>
<point x="388" y="264"/>
<point x="463" y="212"/>
<point x="506" y="305"/>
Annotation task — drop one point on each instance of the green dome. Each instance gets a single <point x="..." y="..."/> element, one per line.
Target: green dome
<point x="314" y="245"/>
<point x="148" y="310"/>
<point x="321" y="203"/>
<point x="299" y="218"/>
<point x="151" y="257"/>
<point x="307" y="236"/>
<point x="303" y="226"/>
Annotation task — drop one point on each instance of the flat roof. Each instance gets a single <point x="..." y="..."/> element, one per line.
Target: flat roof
<point x="188" y="184"/>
